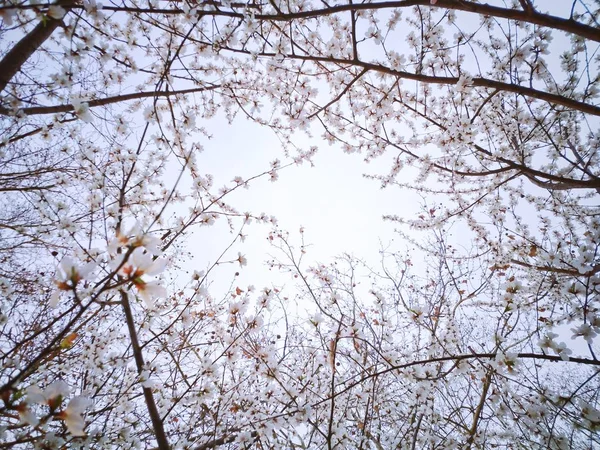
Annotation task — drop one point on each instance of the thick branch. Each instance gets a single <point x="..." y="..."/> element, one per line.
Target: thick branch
<point x="573" y="272"/>
<point x="483" y="9"/>
<point x="553" y="99"/>
<point x="487" y="356"/>
<point x="27" y="188"/>
<point x="39" y="110"/>
<point x="478" y="411"/>
<point x="159" y="431"/>
<point x="555" y="182"/>
<point x="221" y="441"/>
<point x="16" y="57"/>
<point x="565" y="186"/>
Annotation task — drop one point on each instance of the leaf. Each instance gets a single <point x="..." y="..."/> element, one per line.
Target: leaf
<point x="68" y="342"/>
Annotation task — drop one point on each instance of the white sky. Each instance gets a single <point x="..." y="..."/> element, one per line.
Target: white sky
<point x="340" y="210"/>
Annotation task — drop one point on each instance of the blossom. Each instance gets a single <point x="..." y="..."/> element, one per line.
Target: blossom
<point x="69" y="274"/>
<point x="463" y="83"/>
<point x="145" y="379"/>
<point x="92" y="7"/>
<point x="51" y="396"/>
<point x="56" y="12"/>
<point x="589" y="414"/>
<point x="143" y="263"/>
<point x="563" y="351"/>
<point x="585" y="331"/>
<point x="53" y="391"/>
<point x="198" y="275"/>
<point x="547" y="342"/>
<point x="317" y="319"/>
<point x="242" y="260"/>
<point x="149" y="242"/>
<point x="135" y="238"/>
<point x="149" y="291"/>
<point x="26" y="415"/>
<point x="82" y="109"/>
<point x="72" y="415"/>
<point x="505" y="362"/>
<point x="150" y="114"/>
<point x="7" y="16"/>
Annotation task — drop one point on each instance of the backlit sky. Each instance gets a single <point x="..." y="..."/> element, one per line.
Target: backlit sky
<point x="340" y="210"/>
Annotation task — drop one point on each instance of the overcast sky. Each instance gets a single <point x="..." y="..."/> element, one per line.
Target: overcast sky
<point x="340" y="210"/>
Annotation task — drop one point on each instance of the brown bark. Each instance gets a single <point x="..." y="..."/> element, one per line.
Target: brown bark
<point x="157" y="424"/>
<point x="530" y="16"/>
<point x="22" y="51"/>
<point x="39" y="110"/>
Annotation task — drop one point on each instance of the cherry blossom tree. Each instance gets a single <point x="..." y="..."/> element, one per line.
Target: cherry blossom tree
<point x="451" y="356"/>
<point x="488" y="110"/>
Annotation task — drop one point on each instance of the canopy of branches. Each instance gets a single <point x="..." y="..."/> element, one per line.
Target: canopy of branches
<point x="489" y="111"/>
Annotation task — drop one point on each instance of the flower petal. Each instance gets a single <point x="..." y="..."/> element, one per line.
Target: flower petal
<point x="67" y="265"/>
<point x="75" y="424"/>
<point x="56" y="389"/>
<point x="149" y="291"/>
<point x="26" y="415"/>
<point x="157" y="267"/>
<point x="72" y="415"/>
<point x="54" y="299"/>
<point x="86" y="271"/>
<point x="78" y="404"/>
<point x="142" y="261"/>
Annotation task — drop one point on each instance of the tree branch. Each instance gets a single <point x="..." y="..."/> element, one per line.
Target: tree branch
<point x="573" y="272"/>
<point x="552" y="99"/>
<point x="489" y="356"/>
<point x="40" y="110"/>
<point x="159" y="431"/>
<point x="483" y="9"/>
<point x="16" y="57"/>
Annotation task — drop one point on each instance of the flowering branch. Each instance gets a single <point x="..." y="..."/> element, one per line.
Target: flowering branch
<point x="40" y="110"/>
<point x="490" y="356"/>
